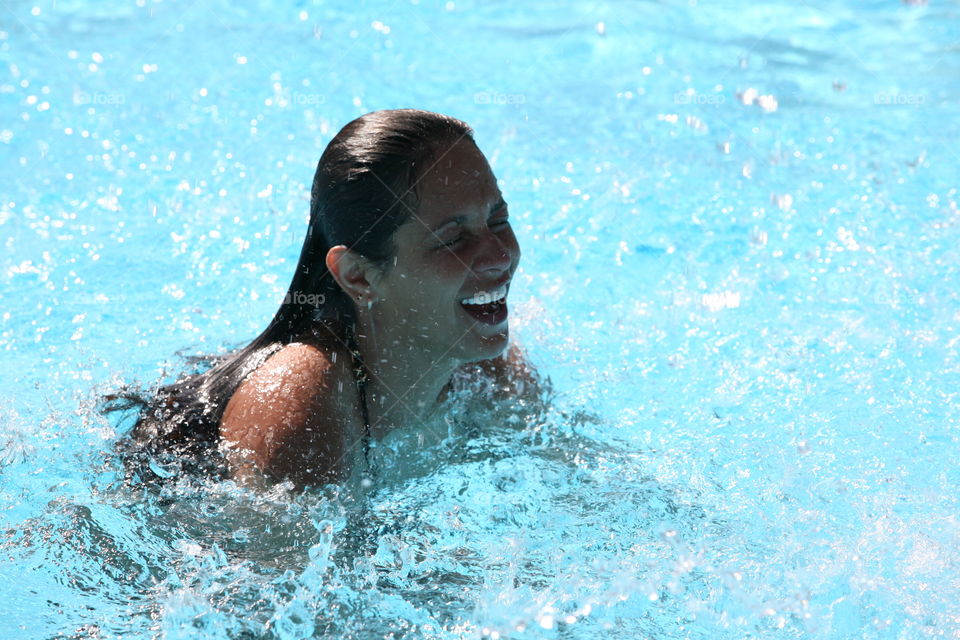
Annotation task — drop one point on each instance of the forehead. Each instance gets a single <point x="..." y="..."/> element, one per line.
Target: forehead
<point x="458" y="179"/>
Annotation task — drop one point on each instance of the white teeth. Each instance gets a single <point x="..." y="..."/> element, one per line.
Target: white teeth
<point x="486" y="297"/>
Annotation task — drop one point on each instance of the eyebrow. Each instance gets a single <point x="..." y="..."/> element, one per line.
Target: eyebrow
<point x="461" y="218"/>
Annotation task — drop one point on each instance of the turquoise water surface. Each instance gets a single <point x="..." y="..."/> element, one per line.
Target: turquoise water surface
<point x="740" y="240"/>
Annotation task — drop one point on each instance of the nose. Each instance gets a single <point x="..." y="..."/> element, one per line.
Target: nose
<point x="496" y="253"/>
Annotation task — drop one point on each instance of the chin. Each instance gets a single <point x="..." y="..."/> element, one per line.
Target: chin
<point x="488" y="347"/>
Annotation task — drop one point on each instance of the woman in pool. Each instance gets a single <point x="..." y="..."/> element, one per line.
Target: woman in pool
<point x="401" y="284"/>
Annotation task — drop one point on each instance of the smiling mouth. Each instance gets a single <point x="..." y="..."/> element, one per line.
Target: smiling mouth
<point x="486" y="297"/>
<point x="488" y="307"/>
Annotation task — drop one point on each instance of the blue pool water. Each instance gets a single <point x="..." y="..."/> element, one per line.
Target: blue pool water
<point x="740" y="229"/>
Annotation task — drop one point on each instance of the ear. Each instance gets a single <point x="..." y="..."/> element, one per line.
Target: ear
<point x="352" y="272"/>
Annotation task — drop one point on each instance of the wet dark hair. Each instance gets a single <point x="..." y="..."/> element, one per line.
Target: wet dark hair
<point x="363" y="190"/>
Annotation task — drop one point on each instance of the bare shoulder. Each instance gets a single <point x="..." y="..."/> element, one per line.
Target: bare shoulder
<point x="287" y="418"/>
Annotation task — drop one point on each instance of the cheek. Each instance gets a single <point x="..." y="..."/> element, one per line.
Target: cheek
<point x="449" y="268"/>
<point x="434" y="285"/>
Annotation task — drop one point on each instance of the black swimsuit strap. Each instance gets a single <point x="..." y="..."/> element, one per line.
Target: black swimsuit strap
<point x="360" y="373"/>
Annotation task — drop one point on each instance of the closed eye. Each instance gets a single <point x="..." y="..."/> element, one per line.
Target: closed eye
<point x="451" y="243"/>
<point x="503" y="217"/>
<point x="500" y="223"/>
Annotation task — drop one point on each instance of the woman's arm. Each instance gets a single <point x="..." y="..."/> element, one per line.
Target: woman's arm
<point x="285" y="420"/>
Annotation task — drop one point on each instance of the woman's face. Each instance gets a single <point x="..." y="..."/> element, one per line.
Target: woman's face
<point x="457" y="245"/>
